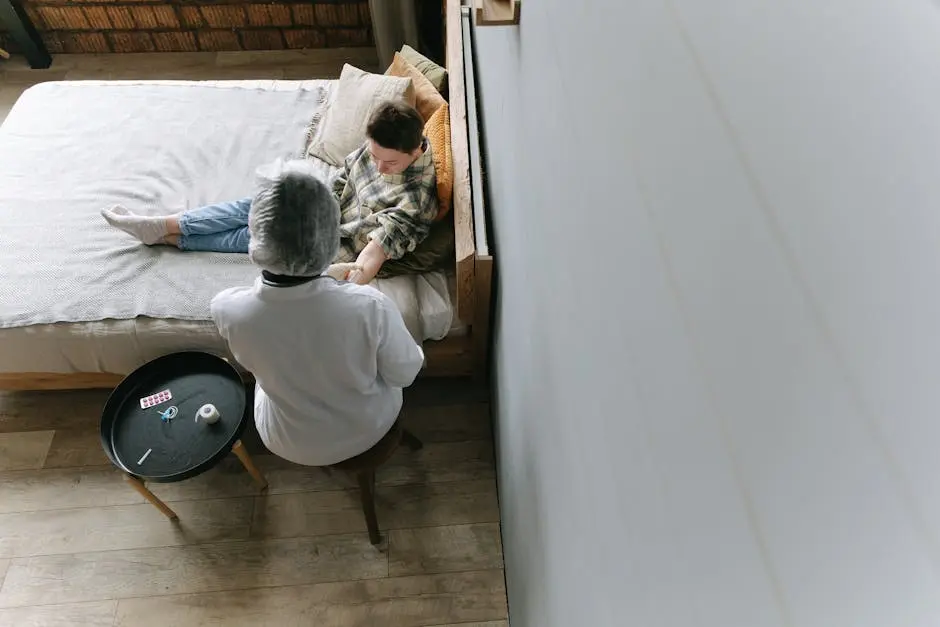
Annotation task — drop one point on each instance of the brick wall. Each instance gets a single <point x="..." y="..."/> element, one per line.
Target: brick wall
<point x="191" y="25"/>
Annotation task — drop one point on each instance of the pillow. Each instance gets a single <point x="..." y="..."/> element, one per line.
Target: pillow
<point x="431" y="70"/>
<point x="427" y="97"/>
<point x="357" y="93"/>
<point x="437" y="130"/>
<point x="433" y="253"/>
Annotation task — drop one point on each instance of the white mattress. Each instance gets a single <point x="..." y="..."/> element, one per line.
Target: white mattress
<point x="120" y="345"/>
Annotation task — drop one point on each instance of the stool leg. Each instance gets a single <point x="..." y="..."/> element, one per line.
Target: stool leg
<point x="242" y="453"/>
<point x="138" y="485"/>
<point x="367" y="494"/>
<point x="411" y="441"/>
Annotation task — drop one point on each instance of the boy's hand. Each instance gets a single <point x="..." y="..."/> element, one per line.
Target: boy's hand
<point x="367" y="264"/>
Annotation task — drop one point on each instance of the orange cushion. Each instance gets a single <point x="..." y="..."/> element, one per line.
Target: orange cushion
<point x="428" y="98"/>
<point x="437" y="130"/>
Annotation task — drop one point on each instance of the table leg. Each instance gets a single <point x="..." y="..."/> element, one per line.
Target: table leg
<point x="138" y="485"/>
<point x="24" y="34"/>
<point x="242" y="453"/>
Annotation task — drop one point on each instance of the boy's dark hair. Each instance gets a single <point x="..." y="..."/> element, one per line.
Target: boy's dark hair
<point x="396" y="126"/>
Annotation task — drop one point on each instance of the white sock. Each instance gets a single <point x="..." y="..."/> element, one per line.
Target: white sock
<point x="148" y="229"/>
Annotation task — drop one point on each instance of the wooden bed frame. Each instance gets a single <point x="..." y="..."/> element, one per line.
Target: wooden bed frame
<point x="458" y="356"/>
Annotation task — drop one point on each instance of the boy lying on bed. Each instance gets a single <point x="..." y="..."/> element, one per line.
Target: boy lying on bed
<point x="387" y="194"/>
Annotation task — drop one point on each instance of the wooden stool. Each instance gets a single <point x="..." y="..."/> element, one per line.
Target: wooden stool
<point x="364" y="465"/>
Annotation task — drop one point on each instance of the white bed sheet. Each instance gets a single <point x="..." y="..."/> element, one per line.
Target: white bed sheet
<point x="120" y="345"/>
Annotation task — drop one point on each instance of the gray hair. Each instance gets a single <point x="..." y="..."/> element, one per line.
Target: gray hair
<point x="293" y="222"/>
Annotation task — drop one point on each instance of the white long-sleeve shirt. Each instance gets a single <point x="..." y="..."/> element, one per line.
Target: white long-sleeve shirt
<point x="330" y="360"/>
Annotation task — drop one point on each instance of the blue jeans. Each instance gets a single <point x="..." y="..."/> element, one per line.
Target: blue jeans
<point x="219" y="228"/>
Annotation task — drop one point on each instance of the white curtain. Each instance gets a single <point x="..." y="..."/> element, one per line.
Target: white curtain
<point x="394" y="23"/>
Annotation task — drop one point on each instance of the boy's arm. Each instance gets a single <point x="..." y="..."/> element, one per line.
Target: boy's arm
<point x="368" y="263"/>
<point x="401" y="230"/>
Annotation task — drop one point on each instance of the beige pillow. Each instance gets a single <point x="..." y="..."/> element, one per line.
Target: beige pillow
<point x="427" y="98"/>
<point x="431" y="70"/>
<point x="343" y="127"/>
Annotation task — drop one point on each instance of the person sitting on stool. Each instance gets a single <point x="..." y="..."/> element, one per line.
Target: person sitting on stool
<point x="330" y="357"/>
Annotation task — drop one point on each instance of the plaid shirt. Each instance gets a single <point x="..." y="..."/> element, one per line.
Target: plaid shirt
<point x="395" y="209"/>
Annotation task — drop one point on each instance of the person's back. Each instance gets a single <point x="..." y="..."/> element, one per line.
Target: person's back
<point x="330" y="358"/>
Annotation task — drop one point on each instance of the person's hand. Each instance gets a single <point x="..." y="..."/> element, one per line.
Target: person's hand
<point x="356" y="275"/>
<point x="367" y="264"/>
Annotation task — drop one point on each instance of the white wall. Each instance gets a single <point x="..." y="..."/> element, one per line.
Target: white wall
<point x="718" y="352"/>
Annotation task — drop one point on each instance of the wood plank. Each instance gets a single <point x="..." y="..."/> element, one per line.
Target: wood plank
<point x="450" y="357"/>
<point x="308" y="514"/>
<point x="321" y="513"/>
<point x="463" y="210"/>
<point x="480" y="333"/>
<point x="439" y="463"/>
<point x="42" y="490"/>
<point x="185" y="570"/>
<point x="30" y="77"/>
<point x="89" y="529"/>
<point x="444" y="549"/>
<point x="445" y="392"/>
<point x="449" y="423"/>
<point x="95" y="614"/>
<point x="327" y="72"/>
<point x="58" y="381"/>
<point x="497" y="12"/>
<point x="27" y="491"/>
<point x="39" y="490"/>
<point x="477" y="187"/>
<point x="229" y="478"/>
<point x="39" y="411"/>
<point x="24" y="450"/>
<point x="435" y="463"/>
<point x="74" y="448"/>
<point x="438" y="504"/>
<point x="104" y="63"/>
<point x="4" y="565"/>
<point x="362" y="58"/>
<point x="396" y="602"/>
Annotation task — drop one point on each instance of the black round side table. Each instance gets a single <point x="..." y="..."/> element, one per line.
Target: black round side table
<point x="151" y="431"/>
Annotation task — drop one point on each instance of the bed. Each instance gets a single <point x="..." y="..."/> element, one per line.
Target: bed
<point x="82" y="304"/>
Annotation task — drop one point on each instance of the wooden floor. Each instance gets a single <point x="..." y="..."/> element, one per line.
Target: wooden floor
<point x="16" y="76"/>
<point x="79" y="547"/>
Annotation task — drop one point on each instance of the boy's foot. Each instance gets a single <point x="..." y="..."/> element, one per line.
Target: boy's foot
<point x="148" y="229"/>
